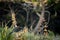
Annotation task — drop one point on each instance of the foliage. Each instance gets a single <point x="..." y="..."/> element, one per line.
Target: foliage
<point x="1" y="29"/>
<point x="32" y="36"/>
<point x="6" y="34"/>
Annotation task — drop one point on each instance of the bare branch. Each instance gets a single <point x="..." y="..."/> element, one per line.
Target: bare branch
<point x="50" y="6"/>
<point x="48" y="15"/>
<point x="32" y="24"/>
<point x="55" y="13"/>
<point x="38" y="14"/>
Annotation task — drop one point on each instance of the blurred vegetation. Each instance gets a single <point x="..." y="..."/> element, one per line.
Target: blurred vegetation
<point x="5" y="33"/>
<point x="26" y="16"/>
<point x="32" y="36"/>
